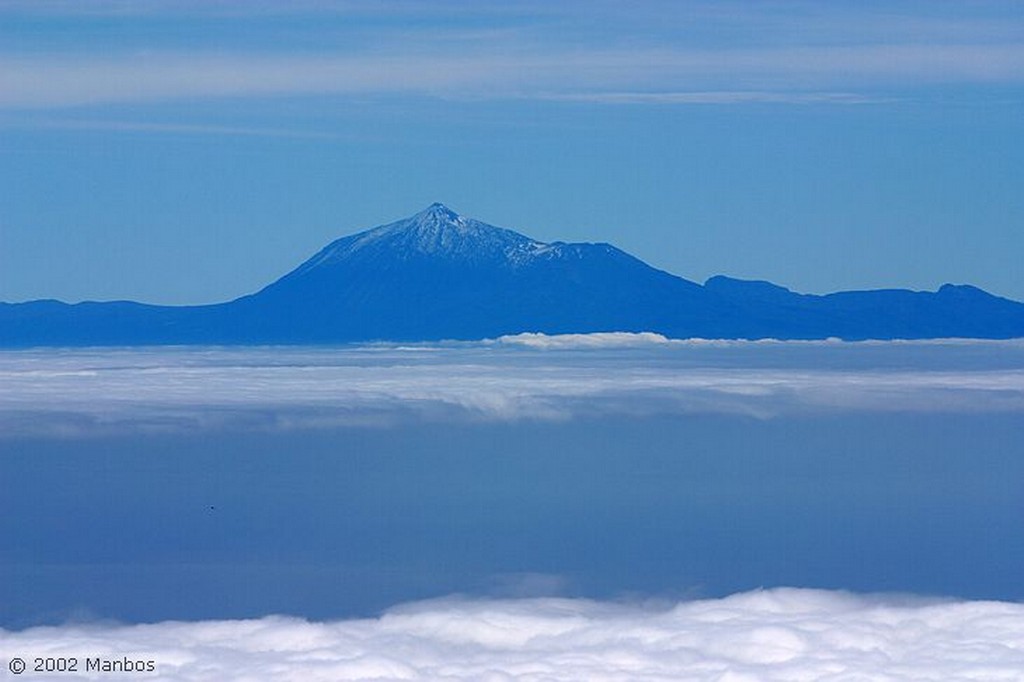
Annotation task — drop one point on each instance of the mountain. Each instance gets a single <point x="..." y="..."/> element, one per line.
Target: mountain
<point x="439" y="275"/>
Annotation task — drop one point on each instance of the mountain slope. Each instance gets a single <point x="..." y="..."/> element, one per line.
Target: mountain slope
<point x="439" y="275"/>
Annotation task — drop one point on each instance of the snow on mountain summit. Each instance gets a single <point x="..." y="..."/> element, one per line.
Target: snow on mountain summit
<point x="437" y="232"/>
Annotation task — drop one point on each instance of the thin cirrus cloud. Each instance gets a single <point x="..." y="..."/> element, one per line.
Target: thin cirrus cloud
<point x="815" y="74"/>
<point x="530" y="377"/>
<point x="180" y="128"/>
<point x="718" y="97"/>
<point x="777" y="634"/>
<point x="681" y="52"/>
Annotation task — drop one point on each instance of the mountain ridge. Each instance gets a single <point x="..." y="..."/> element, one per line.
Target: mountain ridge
<point x="439" y="275"/>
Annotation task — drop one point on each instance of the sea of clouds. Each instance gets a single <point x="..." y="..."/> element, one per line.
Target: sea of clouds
<point x="775" y="634"/>
<point x="761" y="636"/>
<point x="75" y="392"/>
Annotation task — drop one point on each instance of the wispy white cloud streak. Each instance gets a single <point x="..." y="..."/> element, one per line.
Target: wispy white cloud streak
<point x="46" y="82"/>
<point x="171" y="128"/>
<point x="779" y="634"/>
<point x="717" y="97"/>
<point x="787" y="74"/>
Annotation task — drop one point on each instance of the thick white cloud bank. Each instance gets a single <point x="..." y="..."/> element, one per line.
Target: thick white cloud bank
<point x="778" y="634"/>
<point x="531" y="376"/>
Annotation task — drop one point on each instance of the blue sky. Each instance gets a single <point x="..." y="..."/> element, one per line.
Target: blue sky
<point x="186" y="152"/>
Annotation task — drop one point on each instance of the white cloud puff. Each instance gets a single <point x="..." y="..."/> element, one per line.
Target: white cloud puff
<point x="778" y="634"/>
<point x="593" y="340"/>
<point x="93" y="390"/>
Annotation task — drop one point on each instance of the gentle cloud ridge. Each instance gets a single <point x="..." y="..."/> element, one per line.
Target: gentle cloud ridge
<point x="765" y="635"/>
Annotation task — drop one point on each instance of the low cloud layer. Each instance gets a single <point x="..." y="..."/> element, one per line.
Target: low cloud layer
<point x="76" y="392"/>
<point x="779" y="634"/>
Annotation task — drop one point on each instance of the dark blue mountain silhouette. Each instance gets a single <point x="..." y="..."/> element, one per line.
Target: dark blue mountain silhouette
<point x="439" y="275"/>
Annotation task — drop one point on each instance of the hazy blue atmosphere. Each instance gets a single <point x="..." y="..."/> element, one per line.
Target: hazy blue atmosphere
<point x="351" y="521"/>
<point x="190" y="152"/>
